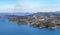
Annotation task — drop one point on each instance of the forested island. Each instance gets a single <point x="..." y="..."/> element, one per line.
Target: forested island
<point x="40" y="20"/>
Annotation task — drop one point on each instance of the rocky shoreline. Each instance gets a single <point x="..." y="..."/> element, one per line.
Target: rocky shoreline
<point x="41" y="20"/>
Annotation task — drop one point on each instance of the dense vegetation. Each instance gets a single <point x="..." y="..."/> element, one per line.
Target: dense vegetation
<point x="40" y="20"/>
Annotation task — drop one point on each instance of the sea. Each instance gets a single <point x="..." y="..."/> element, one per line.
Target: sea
<point x="13" y="28"/>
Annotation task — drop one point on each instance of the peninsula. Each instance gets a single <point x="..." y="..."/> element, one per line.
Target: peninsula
<point x="40" y="20"/>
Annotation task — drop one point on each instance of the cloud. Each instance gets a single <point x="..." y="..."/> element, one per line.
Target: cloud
<point x="22" y="6"/>
<point x="7" y="8"/>
<point x="46" y="9"/>
<point x="31" y="6"/>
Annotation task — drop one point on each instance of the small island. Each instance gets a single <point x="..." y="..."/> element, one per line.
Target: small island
<point x="40" y="20"/>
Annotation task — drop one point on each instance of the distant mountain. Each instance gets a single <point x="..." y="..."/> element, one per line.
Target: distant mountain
<point x="21" y="13"/>
<point x="57" y="12"/>
<point x="29" y="13"/>
<point x="16" y="13"/>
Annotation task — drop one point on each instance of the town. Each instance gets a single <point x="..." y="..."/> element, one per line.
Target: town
<point x="40" y="20"/>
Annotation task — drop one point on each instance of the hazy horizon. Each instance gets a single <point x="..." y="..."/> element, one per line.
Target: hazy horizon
<point x="29" y="5"/>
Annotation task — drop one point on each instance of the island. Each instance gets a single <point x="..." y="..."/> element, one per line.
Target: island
<point x="40" y="20"/>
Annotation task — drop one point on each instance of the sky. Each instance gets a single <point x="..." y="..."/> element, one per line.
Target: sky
<point x="29" y="5"/>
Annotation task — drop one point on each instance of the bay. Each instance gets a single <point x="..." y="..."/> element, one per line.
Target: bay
<point x="12" y="28"/>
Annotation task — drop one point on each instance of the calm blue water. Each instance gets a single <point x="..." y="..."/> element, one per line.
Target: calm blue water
<point x="12" y="28"/>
